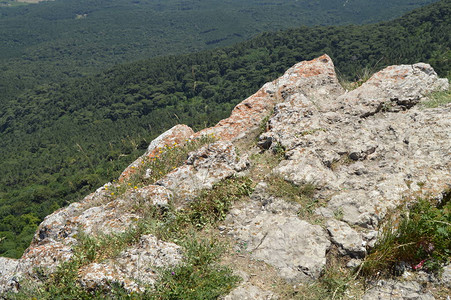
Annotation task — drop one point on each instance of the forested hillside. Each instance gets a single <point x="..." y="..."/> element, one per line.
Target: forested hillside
<point x="59" y="141"/>
<point x="56" y="40"/>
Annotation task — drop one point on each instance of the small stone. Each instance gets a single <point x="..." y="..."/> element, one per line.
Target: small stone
<point x="446" y="276"/>
<point x="349" y="240"/>
<point x="354" y="263"/>
<point x="250" y="292"/>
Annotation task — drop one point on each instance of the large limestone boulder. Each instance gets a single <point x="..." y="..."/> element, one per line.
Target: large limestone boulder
<point x="368" y="149"/>
<point x="278" y="237"/>
<point x="315" y="78"/>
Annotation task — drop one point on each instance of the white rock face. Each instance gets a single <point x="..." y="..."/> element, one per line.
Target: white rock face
<point x="279" y="238"/>
<point x="397" y="291"/>
<point x="203" y="168"/>
<point x="369" y="148"/>
<point x="133" y="267"/>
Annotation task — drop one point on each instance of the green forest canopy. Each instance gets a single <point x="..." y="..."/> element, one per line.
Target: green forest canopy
<point x="56" y="40"/>
<point x="59" y="141"/>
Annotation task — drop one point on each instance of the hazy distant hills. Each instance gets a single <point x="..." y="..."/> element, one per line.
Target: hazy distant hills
<point x="54" y="40"/>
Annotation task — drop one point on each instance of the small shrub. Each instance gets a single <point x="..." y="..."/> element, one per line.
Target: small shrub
<point x="264" y="123"/>
<point x="362" y="76"/>
<point x="198" y="277"/>
<point x="279" y="151"/>
<point x="212" y="205"/>
<point x="344" y="160"/>
<point x="421" y="238"/>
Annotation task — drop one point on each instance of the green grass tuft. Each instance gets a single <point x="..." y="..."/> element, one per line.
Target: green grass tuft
<point x="421" y="238"/>
<point x="198" y="277"/>
<point x="437" y="99"/>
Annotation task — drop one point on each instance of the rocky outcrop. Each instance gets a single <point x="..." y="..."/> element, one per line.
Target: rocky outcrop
<point x="311" y="77"/>
<point x="369" y="148"/>
<point x="108" y="212"/>
<point x="177" y="135"/>
<point x="203" y="168"/>
<point x="138" y="264"/>
<point x="364" y="151"/>
<point x="394" y="89"/>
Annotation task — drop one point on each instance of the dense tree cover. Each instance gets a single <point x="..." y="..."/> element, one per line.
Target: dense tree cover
<point x="59" y="141"/>
<point x="56" y="40"/>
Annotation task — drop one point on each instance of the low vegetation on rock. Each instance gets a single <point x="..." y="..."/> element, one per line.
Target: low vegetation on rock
<point x="418" y="238"/>
<point x="307" y="210"/>
<point x="60" y="141"/>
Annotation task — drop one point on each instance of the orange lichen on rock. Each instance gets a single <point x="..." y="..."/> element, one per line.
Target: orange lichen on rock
<point x="249" y="114"/>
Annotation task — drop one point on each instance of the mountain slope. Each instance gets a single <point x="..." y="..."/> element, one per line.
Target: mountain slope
<point x="299" y="188"/>
<point x="60" y="141"/>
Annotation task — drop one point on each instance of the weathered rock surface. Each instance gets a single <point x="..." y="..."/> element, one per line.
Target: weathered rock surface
<point x="204" y="168"/>
<point x="349" y="241"/>
<point x="394" y="89"/>
<point x="446" y="276"/>
<point x="249" y="292"/>
<point x="134" y="267"/>
<point x="280" y="238"/>
<point x="8" y="274"/>
<point x="92" y="217"/>
<point x="365" y="151"/>
<point x="177" y="135"/>
<point x="390" y="289"/>
<point x="364" y="158"/>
